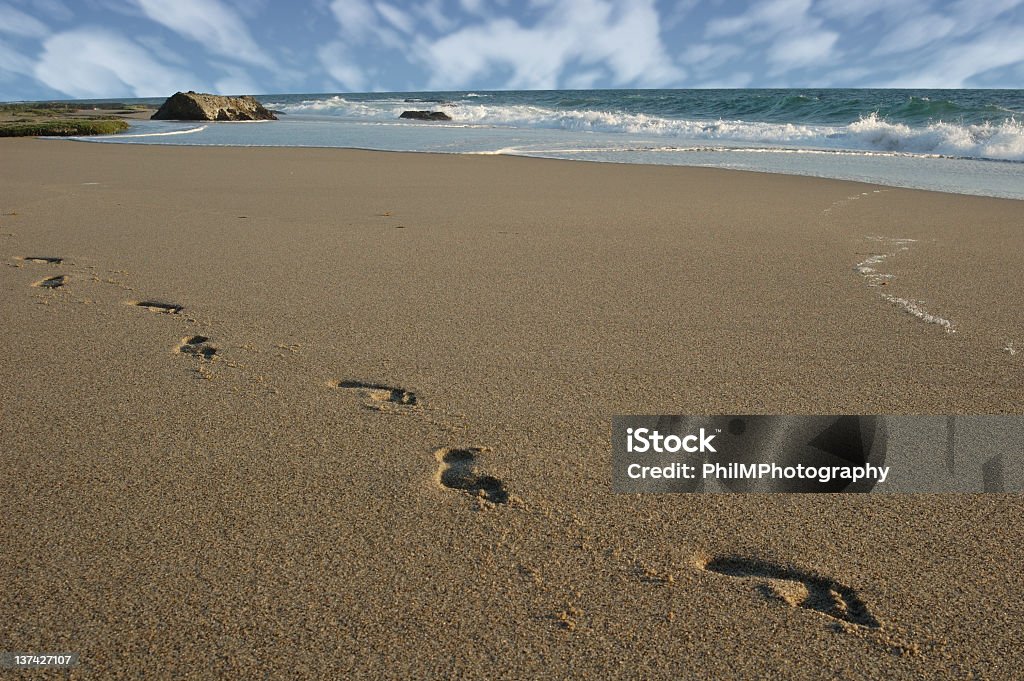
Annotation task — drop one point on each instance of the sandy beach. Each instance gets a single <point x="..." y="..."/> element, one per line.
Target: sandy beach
<point x="359" y="424"/>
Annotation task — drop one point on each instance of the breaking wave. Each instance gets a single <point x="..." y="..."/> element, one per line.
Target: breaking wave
<point x="1001" y="138"/>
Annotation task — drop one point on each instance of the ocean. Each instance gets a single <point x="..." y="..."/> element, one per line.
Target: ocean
<point x="963" y="141"/>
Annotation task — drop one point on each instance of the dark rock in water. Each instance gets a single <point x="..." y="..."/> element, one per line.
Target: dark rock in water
<point x="426" y="115"/>
<point x="196" y="106"/>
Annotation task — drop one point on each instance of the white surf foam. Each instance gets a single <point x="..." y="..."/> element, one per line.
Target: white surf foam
<point x="913" y="307"/>
<point x="161" y="134"/>
<point x="868" y="268"/>
<point x="871" y="134"/>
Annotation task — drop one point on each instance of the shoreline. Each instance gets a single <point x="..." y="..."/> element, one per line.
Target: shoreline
<point x="854" y="153"/>
<point x="347" y="412"/>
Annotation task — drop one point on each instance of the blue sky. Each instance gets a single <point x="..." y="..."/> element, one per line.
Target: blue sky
<point x="146" y="48"/>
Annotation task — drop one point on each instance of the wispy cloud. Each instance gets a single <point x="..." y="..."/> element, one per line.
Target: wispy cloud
<point x="396" y="17"/>
<point x="954" y="65"/>
<point x="911" y="35"/>
<point x="336" y="60"/>
<point x="858" y="12"/>
<point x="622" y="37"/>
<point x="237" y="82"/>
<point x="795" y="51"/>
<point x="362" y="23"/>
<point x="52" y="9"/>
<point x="14" y="63"/>
<point x="358" y="45"/>
<point x="710" y="55"/>
<point x="762" y="20"/>
<point x="784" y="34"/>
<point x="209" y="22"/>
<point x="432" y="11"/>
<point x="472" y="6"/>
<point x="16" y="22"/>
<point x="971" y="13"/>
<point x="94" y="62"/>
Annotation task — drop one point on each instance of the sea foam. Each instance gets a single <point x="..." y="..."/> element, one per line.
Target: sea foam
<point x="1003" y="140"/>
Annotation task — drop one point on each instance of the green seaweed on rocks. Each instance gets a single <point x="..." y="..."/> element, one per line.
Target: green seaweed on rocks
<point x="63" y="128"/>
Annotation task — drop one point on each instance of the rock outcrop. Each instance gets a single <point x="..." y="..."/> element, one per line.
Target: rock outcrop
<point x="196" y="106"/>
<point x="426" y="115"/>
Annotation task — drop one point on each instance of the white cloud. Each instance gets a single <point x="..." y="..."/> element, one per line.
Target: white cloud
<point x="970" y="14"/>
<point x="250" y="9"/>
<point x="910" y="35"/>
<point x="694" y="54"/>
<point x="710" y="55"/>
<point x="335" y="59"/>
<point x="621" y="35"/>
<point x="956" y="63"/>
<point x="458" y="58"/>
<point x="209" y="23"/>
<point x="158" y="45"/>
<point x="396" y="17"/>
<point x="433" y="13"/>
<point x="354" y="16"/>
<point x="12" y="61"/>
<point x="792" y="35"/>
<point x="802" y="50"/>
<point x="846" y="77"/>
<point x="472" y="6"/>
<point x="859" y="11"/>
<point x="54" y="9"/>
<point x="679" y="12"/>
<point x="630" y="45"/>
<point x="16" y="22"/>
<point x="94" y="62"/>
<point x="237" y="82"/>
<point x="764" y="19"/>
<point x="453" y="44"/>
<point x="361" y="23"/>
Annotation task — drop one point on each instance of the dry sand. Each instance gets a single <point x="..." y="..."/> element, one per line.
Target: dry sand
<point x="282" y="496"/>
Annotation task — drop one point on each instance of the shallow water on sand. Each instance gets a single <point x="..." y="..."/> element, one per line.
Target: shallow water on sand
<point x="962" y="141"/>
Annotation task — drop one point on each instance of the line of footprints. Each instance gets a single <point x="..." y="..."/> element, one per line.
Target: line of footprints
<point x="458" y="468"/>
<point x="196" y="346"/>
<point x="461" y="470"/>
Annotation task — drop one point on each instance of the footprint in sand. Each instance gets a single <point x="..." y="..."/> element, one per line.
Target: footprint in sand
<point x="157" y="306"/>
<point x="197" y="346"/>
<point x="41" y="259"/>
<point x="797" y="589"/>
<point x="460" y="470"/>
<point x="378" y="396"/>
<point x="51" y="282"/>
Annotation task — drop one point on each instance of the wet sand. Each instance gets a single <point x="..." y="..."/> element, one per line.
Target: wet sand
<point x="374" y="439"/>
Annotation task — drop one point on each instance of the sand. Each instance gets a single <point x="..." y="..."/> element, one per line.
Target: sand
<point x="374" y="439"/>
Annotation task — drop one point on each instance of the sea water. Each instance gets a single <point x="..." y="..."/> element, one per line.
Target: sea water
<point x="965" y="141"/>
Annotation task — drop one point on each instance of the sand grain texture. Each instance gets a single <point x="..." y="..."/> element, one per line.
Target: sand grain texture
<point x="185" y="508"/>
